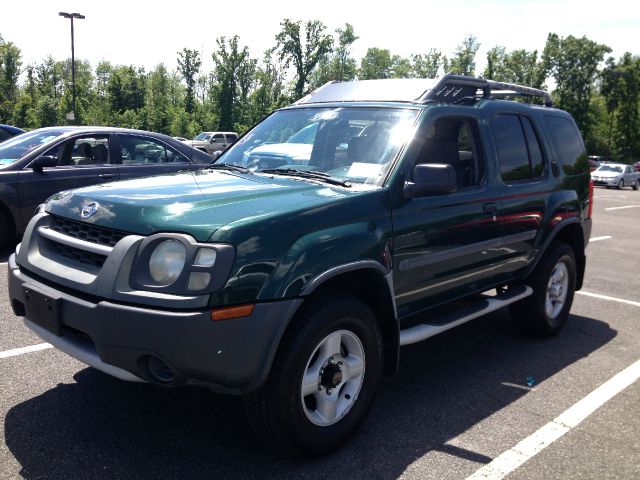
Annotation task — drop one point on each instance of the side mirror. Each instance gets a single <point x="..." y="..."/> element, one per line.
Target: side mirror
<point x="431" y="179"/>
<point x="44" y="161"/>
<point x="213" y="140"/>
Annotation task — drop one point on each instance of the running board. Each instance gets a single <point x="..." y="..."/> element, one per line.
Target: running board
<point x="455" y="318"/>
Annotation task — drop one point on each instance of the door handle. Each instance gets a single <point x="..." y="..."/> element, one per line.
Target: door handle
<point x="490" y="208"/>
<point x="107" y="175"/>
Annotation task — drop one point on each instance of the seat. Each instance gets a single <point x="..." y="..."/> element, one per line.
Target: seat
<point x="84" y="153"/>
<point x="100" y="154"/>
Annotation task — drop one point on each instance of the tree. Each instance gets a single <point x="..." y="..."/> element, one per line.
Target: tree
<point x="189" y="65"/>
<point x="338" y="65"/>
<point x="463" y="61"/>
<point x="573" y="64"/>
<point x="428" y="65"/>
<point x="376" y="63"/>
<point x="10" y="64"/>
<point x="157" y="100"/>
<point x="233" y="71"/>
<point x="621" y="91"/>
<point x="304" y="55"/>
<point x="519" y="66"/>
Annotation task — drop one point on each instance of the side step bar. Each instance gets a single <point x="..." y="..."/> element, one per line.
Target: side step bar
<point x="455" y="318"/>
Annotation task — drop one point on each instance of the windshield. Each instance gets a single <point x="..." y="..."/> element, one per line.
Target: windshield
<point x="353" y="144"/>
<point x="204" y="136"/>
<point x="17" y="147"/>
<point x="609" y="168"/>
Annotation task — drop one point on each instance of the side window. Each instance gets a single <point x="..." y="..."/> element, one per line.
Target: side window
<point x="219" y="138"/>
<point x="454" y="141"/>
<point x="93" y="150"/>
<point x="568" y="144"/>
<point x="140" y="150"/>
<point x="519" y="153"/>
<point x="231" y="138"/>
<point x="512" y="148"/>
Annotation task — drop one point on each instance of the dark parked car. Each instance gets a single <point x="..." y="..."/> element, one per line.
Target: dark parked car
<point x="7" y="131"/>
<point x="37" y="164"/>
<point x="637" y="166"/>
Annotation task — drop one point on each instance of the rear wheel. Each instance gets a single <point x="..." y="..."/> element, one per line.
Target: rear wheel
<point x="636" y="184"/>
<point x="323" y="379"/>
<point x="553" y="282"/>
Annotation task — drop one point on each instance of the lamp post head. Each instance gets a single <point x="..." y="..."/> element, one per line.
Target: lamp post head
<point x="71" y="15"/>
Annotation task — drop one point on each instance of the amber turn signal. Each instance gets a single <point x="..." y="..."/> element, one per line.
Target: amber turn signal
<point x="232" y="312"/>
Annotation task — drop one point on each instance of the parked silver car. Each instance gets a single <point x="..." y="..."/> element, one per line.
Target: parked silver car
<point x="616" y="175"/>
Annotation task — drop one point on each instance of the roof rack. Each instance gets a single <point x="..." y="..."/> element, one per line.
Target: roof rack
<point x="452" y="88"/>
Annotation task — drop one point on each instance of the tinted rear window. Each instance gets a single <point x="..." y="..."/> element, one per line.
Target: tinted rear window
<point x="568" y="144"/>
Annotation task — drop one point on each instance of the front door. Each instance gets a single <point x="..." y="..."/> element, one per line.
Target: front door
<point x="446" y="246"/>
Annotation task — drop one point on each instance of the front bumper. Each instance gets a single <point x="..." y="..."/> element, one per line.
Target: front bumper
<point x="231" y="356"/>
<point x="606" y="181"/>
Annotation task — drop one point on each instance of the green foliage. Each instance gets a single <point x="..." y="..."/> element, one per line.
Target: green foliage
<point x="240" y="90"/>
<point x="189" y="64"/>
<point x="463" y="61"/>
<point x="303" y="54"/>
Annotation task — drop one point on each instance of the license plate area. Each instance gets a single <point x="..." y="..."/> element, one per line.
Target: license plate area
<point x="43" y="309"/>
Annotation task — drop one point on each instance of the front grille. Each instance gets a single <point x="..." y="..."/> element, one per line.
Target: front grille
<point x="87" y="232"/>
<point x="77" y="255"/>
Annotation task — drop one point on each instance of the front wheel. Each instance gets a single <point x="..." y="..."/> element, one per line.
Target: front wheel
<point x="323" y="379"/>
<point x="620" y="184"/>
<point x="553" y="282"/>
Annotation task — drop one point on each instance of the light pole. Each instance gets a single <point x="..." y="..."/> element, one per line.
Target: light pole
<point x="71" y="16"/>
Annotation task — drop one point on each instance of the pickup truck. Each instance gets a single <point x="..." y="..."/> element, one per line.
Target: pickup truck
<point x="423" y="204"/>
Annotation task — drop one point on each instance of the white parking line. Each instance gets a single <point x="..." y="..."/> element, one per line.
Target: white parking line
<point x="508" y="461"/>
<point x="606" y="297"/>
<point x="622" y="208"/>
<point x="597" y="239"/>
<point x="20" y="351"/>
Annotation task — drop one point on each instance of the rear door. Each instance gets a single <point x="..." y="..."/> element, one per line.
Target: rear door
<point x="82" y="160"/>
<point x="141" y="156"/>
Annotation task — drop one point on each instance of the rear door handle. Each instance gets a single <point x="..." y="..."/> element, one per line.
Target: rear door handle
<point x="107" y="175"/>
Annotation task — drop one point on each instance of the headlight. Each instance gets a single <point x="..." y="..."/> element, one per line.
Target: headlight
<point x="175" y="264"/>
<point x="167" y="262"/>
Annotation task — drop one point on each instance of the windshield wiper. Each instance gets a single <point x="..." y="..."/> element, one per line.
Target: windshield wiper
<point x="230" y="167"/>
<point x="312" y="174"/>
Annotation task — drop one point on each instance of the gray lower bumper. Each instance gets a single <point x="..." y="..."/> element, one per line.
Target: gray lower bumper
<point x="232" y="356"/>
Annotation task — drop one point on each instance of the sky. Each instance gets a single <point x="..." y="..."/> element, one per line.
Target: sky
<point x="146" y="33"/>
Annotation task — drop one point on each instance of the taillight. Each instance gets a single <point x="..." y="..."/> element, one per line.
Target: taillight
<point x="590" y="209"/>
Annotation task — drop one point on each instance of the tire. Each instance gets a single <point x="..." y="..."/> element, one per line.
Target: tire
<point x="6" y="233"/>
<point x="636" y="185"/>
<point x="553" y="281"/>
<point x="620" y="185"/>
<point x="335" y="343"/>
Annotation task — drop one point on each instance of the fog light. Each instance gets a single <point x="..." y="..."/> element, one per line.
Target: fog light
<point x="199" y="280"/>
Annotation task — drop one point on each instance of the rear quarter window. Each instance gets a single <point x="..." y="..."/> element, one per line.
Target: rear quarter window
<point x="568" y="144"/>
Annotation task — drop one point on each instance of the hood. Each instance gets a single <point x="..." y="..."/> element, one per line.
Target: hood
<point x="197" y="203"/>
<point x="605" y="174"/>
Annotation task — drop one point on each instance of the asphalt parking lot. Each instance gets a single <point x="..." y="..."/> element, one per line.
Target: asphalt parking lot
<point x="460" y="401"/>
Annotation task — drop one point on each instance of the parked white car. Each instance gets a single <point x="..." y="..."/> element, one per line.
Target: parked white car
<point x="616" y="175"/>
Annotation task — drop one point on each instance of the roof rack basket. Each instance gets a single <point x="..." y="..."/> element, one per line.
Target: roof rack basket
<point x="452" y="88"/>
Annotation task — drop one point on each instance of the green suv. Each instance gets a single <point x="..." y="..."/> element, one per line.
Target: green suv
<point x="293" y="280"/>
